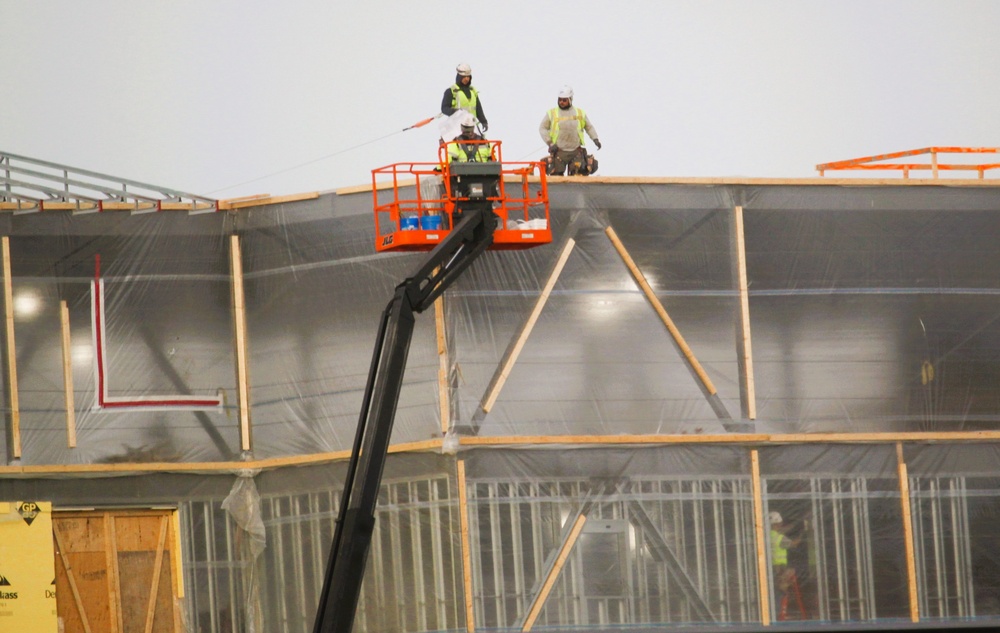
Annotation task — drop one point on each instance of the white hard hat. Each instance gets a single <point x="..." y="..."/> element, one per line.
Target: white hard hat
<point x="773" y="517"/>
<point x="566" y="92"/>
<point x="467" y="120"/>
<point x="464" y="70"/>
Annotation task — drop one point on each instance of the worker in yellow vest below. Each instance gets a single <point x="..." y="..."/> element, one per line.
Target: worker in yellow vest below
<point x="462" y="96"/>
<point x="780" y="544"/>
<point x="562" y="130"/>
<point x="469" y="147"/>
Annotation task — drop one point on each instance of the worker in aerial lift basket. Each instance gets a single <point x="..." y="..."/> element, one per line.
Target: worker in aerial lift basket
<point x="469" y="146"/>
<point x="562" y="130"/>
<point x="462" y="96"/>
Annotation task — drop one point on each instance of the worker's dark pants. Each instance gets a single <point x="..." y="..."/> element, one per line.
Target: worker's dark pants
<point x="573" y="162"/>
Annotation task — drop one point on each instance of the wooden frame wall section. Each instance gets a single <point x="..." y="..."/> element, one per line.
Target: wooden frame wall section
<point x="240" y="344"/>
<point x="67" y="359"/>
<point x="500" y="377"/>
<point x="763" y="558"/>
<point x="118" y="584"/>
<point x="911" y="565"/>
<point x="749" y="401"/>
<point x="14" y="449"/>
<point x="463" y="513"/>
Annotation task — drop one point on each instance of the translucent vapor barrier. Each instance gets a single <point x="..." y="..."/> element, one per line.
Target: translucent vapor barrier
<point x="702" y="405"/>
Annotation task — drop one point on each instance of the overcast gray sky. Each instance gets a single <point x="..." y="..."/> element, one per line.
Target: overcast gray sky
<point x="231" y="98"/>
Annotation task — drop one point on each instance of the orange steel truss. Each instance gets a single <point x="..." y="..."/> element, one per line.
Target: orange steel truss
<point x="873" y="162"/>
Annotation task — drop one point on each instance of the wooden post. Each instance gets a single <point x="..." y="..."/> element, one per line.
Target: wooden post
<point x="67" y="358"/>
<point x="747" y="390"/>
<point x="240" y="343"/>
<point x="14" y="430"/>
<point x="117" y="617"/>
<point x="763" y="557"/>
<point x="911" y="565"/>
<point x="444" y="386"/>
<point x="463" y="513"/>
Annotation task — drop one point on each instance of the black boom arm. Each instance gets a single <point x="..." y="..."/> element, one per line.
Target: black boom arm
<point x="356" y="520"/>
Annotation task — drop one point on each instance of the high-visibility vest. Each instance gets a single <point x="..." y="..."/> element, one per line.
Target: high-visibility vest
<point x="555" y="120"/>
<point x="779" y="554"/>
<point x="457" y="153"/>
<point x="460" y="102"/>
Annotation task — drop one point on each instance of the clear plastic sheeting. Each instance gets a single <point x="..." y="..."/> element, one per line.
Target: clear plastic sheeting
<point x="567" y="460"/>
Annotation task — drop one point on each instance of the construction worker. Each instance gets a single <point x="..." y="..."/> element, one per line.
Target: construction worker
<point x="469" y="147"/>
<point x="462" y="96"/>
<point x="562" y="130"/>
<point x="784" y="575"/>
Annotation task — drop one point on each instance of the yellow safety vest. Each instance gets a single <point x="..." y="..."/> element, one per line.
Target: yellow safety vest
<point x="460" y="102"/>
<point x="779" y="554"/>
<point x="555" y="120"/>
<point x="457" y="154"/>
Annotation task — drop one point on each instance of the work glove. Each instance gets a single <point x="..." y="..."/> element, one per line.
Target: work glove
<point x="597" y="143"/>
<point x="486" y="126"/>
<point x="552" y="148"/>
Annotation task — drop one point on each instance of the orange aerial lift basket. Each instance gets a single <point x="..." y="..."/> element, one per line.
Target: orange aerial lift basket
<point x="416" y="204"/>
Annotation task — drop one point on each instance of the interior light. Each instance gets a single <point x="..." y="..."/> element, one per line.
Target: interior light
<point x="26" y="304"/>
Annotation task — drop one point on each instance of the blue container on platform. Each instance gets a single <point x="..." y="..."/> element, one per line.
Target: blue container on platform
<point x="430" y="222"/>
<point x="410" y="223"/>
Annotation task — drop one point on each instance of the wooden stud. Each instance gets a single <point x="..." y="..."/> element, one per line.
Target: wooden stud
<point x="67" y="358"/>
<point x="463" y="513"/>
<point x="8" y="304"/>
<point x="508" y="363"/>
<point x="763" y="557"/>
<point x="746" y="353"/>
<point x="157" y="566"/>
<point x="911" y="566"/>
<point x="114" y="573"/>
<point x="647" y="290"/>
<point x="72" y="581"/>
<point x="550" y="580"/>
<point x="444" y="387"/>
<point x="240" y="344"/>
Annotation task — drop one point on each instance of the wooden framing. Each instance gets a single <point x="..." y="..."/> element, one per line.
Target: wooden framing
<point x="67" y="359"/>
<point x="463" y="513"/>
<point x="550" y="580"/>
<point x="434" y="445"/>
<point x="647" y="290"/>
<point x="240" y="344"/>
<point x="122" y="569"/>
<point x="747" y="390"/>
<point x="444" y="366"/>
<point x="911" y="567"/>
<point x="14" y="435"/>
<point x="763" y="552"/>
<point x="500" y="377"/>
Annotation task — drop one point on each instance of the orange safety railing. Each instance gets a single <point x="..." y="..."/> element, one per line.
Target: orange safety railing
<point x="415" y="203"/>
<point x="934" y="166"/>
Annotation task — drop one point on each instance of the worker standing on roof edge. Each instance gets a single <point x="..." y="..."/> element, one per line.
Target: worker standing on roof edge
<point x="562" y="130"/>
<point x="462" y="96"/>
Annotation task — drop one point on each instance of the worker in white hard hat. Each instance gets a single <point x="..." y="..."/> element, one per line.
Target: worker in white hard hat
<point x="781" y="542"/>
<point x="462" y="96"/>
<point x="469" y="146"/>
<point x="562" y="130"/>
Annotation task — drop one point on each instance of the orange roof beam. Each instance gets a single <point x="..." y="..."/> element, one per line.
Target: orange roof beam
<point x="872" y="162"/>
